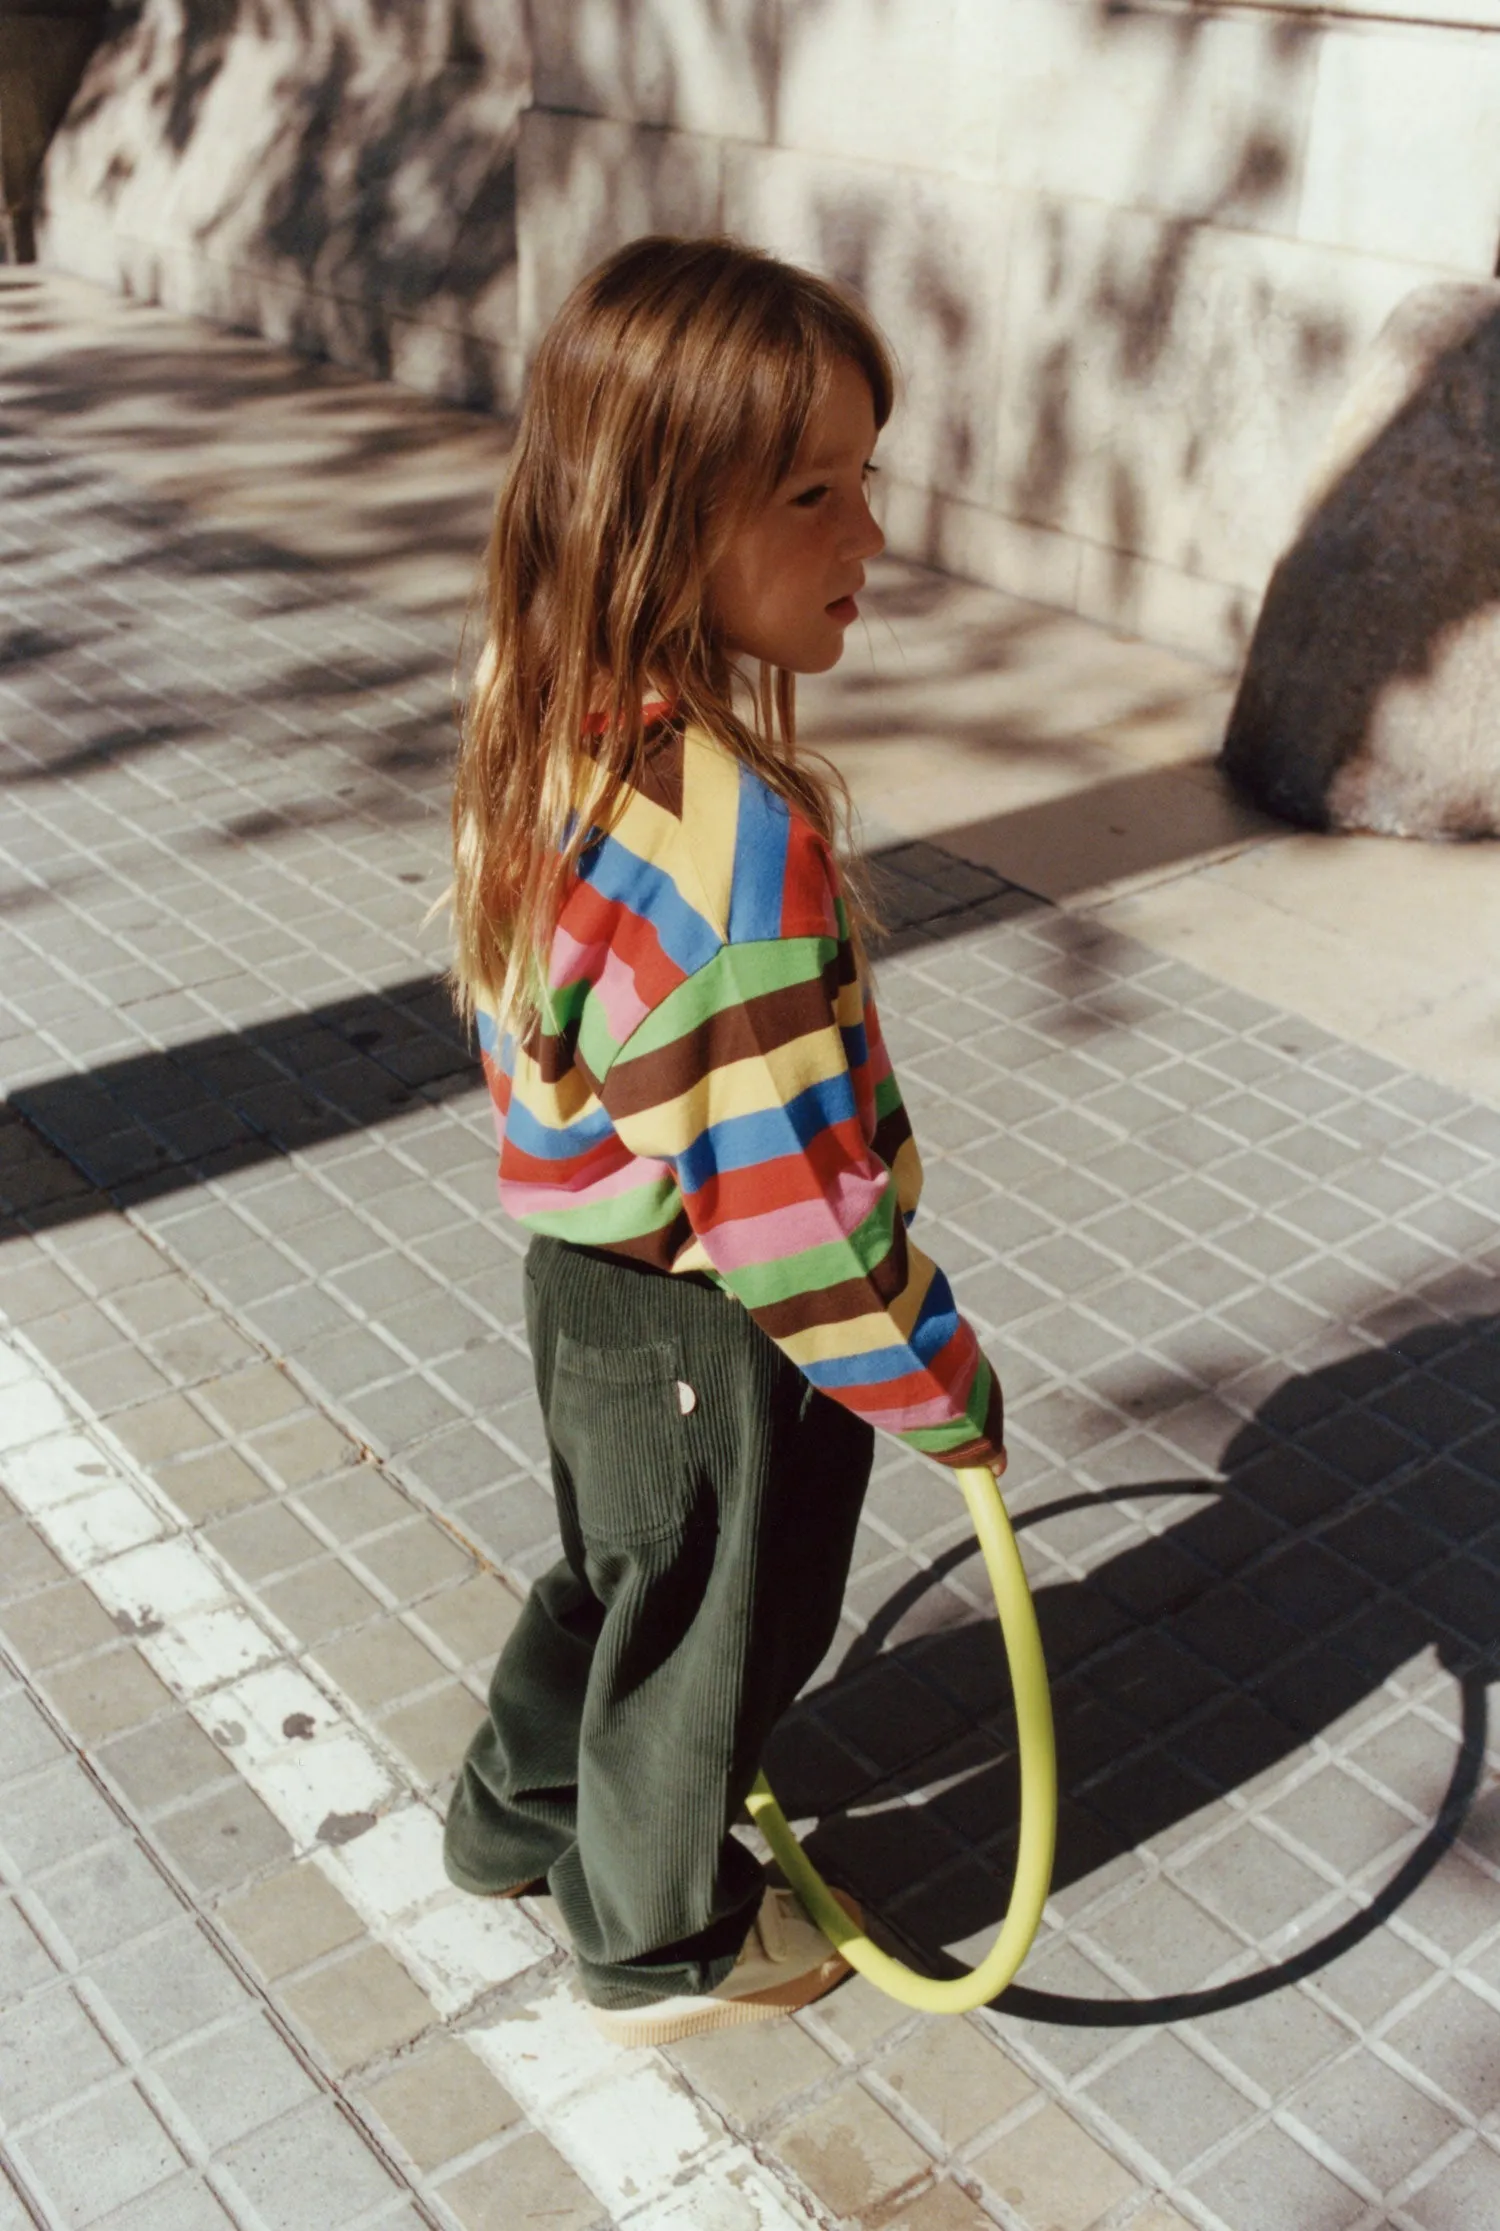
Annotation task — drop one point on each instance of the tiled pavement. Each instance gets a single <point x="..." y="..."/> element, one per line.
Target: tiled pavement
<point x="270" y="1463"/>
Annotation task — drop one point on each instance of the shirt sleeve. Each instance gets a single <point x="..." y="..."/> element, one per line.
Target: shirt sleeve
<point x="762" y="1081"/>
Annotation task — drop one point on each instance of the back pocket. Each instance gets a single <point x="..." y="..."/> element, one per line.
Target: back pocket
<point x="617" y="1425"/>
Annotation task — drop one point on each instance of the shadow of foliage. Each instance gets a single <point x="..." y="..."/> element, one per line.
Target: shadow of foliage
<point x="366" y="206"/>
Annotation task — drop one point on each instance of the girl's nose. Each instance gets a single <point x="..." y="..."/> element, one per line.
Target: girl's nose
<point x="868" y="541"/>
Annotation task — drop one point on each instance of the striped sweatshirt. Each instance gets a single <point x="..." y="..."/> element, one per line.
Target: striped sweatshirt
<point x="710" y="1092"/>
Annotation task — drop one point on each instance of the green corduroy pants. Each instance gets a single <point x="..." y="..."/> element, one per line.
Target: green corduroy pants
<point x="707" y="1536"/>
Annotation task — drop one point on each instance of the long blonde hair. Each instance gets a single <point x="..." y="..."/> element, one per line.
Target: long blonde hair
<point x="668" y="401"/>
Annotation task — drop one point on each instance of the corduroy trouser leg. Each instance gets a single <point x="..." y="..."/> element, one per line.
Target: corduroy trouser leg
<point x="706" y="1542"/>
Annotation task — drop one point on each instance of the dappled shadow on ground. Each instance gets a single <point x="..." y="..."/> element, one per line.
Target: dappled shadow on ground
<point x="321" y="465"/>
<point x="1347" y="1559"/>
<point x="956" y="706"/>
<point x="153" y="656"/>
<point x="151" y="640"/>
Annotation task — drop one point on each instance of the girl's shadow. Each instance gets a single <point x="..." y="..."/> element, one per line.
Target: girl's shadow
<point x="1356" y="1527"/>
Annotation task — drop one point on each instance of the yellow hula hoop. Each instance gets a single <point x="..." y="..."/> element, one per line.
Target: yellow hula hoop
<point x="1038" y="1836"/>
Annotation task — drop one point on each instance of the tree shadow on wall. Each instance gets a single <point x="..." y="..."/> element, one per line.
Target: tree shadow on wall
<point x="353" y="183"/>
<point x="350" y="183"/>
<point x="368" y="210"/>
<point x="1350" y="1547"/>
<point x="1122" y="341"/>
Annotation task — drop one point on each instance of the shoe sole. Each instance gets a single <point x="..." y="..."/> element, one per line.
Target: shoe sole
<point x="644" y="2025"/>
<point x="472" y="1889"/>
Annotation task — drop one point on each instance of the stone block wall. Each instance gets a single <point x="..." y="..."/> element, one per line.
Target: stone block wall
<point x="1128" y="251"/>
<point x="336" y="174"/>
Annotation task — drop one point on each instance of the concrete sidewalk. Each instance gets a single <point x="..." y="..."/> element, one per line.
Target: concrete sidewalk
<point x="959" y="714"/>
<point x="1211" y="1159"/>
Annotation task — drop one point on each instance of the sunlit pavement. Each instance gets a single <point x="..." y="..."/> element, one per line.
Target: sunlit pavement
<point x="1211" y="1152"/>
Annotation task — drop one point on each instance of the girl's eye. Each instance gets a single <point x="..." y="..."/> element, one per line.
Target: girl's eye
<point x="810" y="497"/>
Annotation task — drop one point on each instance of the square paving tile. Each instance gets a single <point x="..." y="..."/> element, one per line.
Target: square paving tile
<point x="361" y="2003"/>
<point x="1270" y="2181"/>
<point x="264" y="1542"/>
<point x="1275" y="2040"/>
<point x="1165" y="1940"/>
<point x="956" y="2078"/>
<point x="49" y="2048"/>
<point x="99" y="2155"/>
<point x="1372" y="2120"/>
<point x="473" y="1620"/>
<point x="354" y="1503"/>
<point x="435" y="1732"/>
<point x="1465" y="2193"/>
<point x="169" y="1759"/>
<point x="1342" y="1821"/>
<point x="1171" y="2102"/>
<point x="1375" y="1976"/>
<point x="749" y="2073"/>
<point x="53" y="1814"/>
<point x="221" y="1840"/>
<point x="213" y="1483"/>
<point x="379" y="1662"/>
<point x="308" y="2171"/>
<point x="168" y="1985"/>
<point x="525" y="2186"/>
<point x="183" y="2203"/>
<point x="26" y="1740"/>
<point x="1049" y="2171"/>
<point x="1449" y="2039"/>
<point x="102" y="1696"/>
<point x="319" y="1600"/>
<point x="1253" y="1883"/>
<point x="57" y="1624"/>
<point x="25" y="1963"/>
<point x="852" y="2155"/>
<point x="440" y="2102"/>
<point x="26" y="1562"/>
<point x="106" y="1897"/>
<point x="235" y="2080"/>
<point x="414" y="1559"/>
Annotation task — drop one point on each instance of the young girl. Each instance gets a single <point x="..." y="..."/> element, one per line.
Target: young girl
<point x="697" y="1116"/>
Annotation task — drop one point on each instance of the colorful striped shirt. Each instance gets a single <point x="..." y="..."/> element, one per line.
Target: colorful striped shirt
<point x="710" y="1092"/>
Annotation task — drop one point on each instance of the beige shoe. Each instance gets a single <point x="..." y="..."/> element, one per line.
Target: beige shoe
<point x="785" y="1962"/>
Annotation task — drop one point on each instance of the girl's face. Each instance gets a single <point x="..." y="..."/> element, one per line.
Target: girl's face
<point x="783" y="590"/>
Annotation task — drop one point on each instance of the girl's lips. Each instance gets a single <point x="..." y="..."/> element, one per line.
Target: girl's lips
<point x="843" y="609"/>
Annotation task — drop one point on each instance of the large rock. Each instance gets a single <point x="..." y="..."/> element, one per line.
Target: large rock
<point x="1371" y="694"/>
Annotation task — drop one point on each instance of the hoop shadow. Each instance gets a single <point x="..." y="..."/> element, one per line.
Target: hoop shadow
<point x="1356" y="1527"/>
